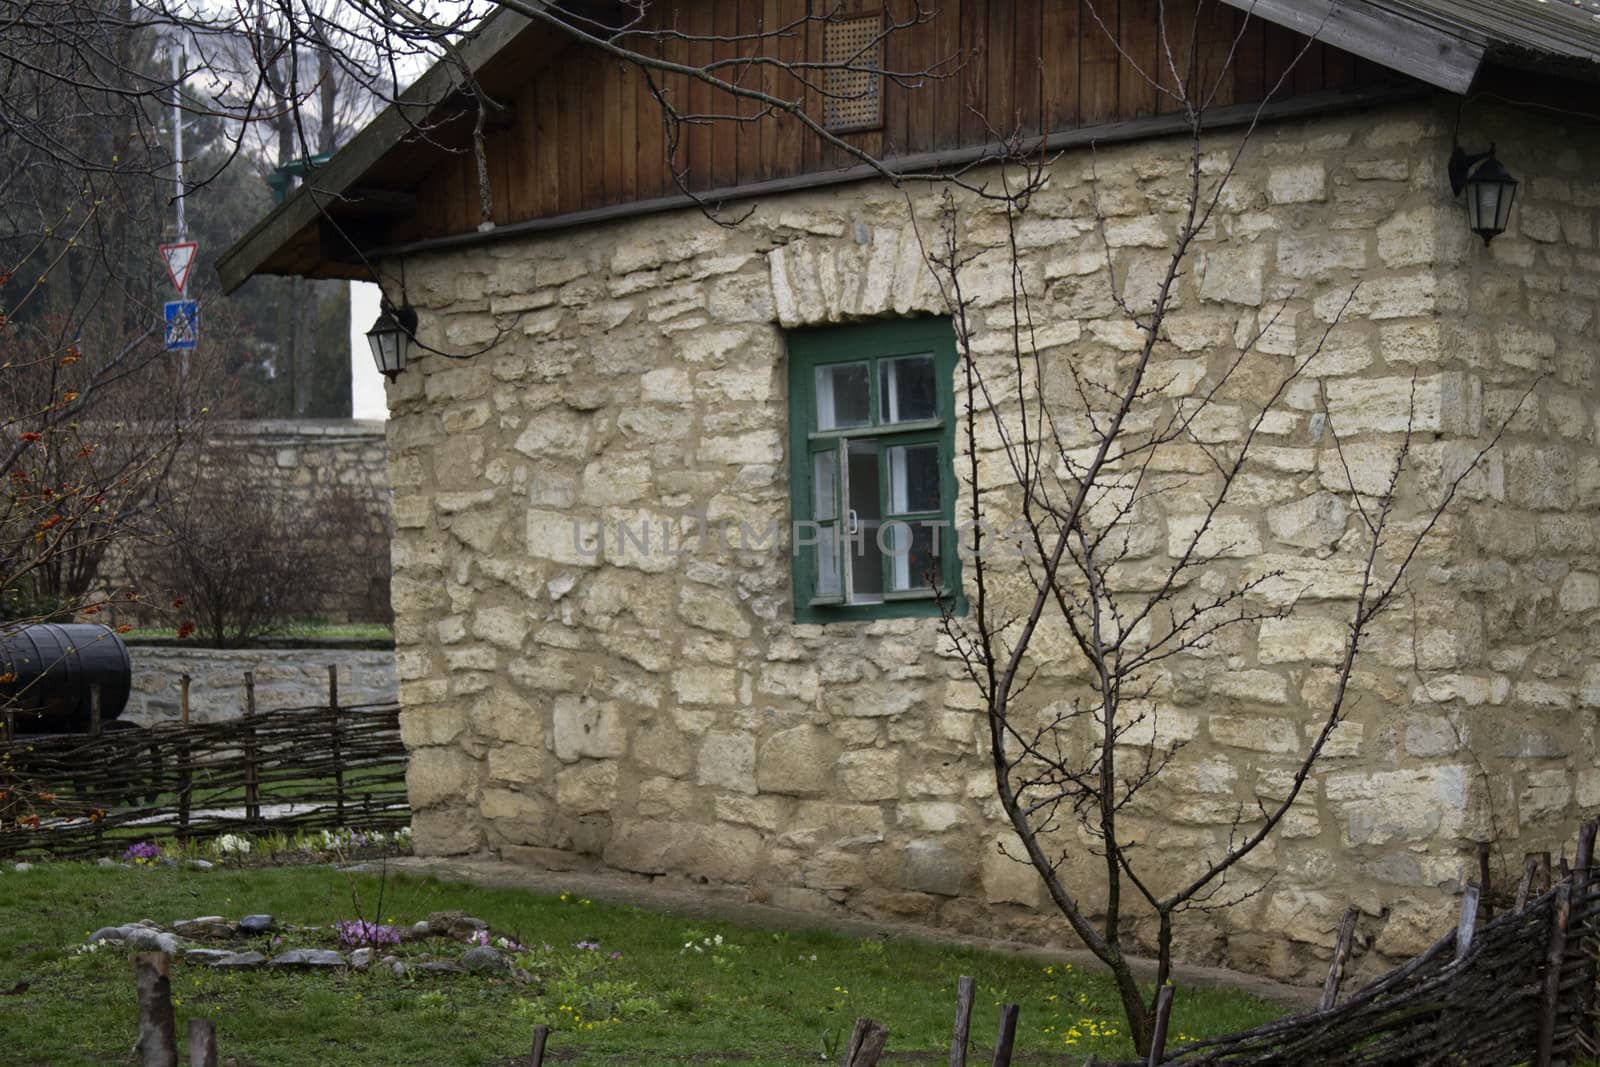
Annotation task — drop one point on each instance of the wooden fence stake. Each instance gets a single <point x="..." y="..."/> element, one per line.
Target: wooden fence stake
<point x="202" y="1043"/>
<point x="1467" y="924"/>
<point x="338" y="737"/>
<point x="1007" y="1038"/>
<point x="158" y="1038"/>
<point x="1341" y="955"/>
<point x="1158" y="1040"/>
<point x="1525" y="887"/>
<point x="1486" y="901"/>
<point x="866" y="1044"/>
<point x="1550" y="996"/>
<point x="183" y="699"/>
<point x="541" y="1034"/>
<point x="1583" y="883"/>
<point x="252" y="783"/>
<point x="965" y="990"/>
<point x="94" y="710"/>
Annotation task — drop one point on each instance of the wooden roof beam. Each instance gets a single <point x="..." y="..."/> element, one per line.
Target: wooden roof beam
<point x="1427" y="47"/>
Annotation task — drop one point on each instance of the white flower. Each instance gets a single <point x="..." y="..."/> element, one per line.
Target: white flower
<point x="231" y="843"/>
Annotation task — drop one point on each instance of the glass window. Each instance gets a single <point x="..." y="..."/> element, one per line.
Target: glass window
<point x="913" y="479"/>
<point x="872" y="437"/>
<point x="844" y="396"/>
<point x="907" y="391"/>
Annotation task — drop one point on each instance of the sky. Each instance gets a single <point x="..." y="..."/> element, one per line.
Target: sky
<point x="366" y="384"/>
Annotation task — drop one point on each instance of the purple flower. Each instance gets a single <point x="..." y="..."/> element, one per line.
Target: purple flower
<point x="587" y="946"/>
<point x="142" y="852"/>
<point x="616" y="955"/>
<point x="357" y="932"/>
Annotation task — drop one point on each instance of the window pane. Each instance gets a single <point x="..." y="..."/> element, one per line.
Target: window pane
<point x="844" y="397"/>
<point x="828" y="561"/>
<point x="913" y="563"/>
<point x="864" y="496"/>
<point x="825" y="485"/>
<point x="907" y="390"/>
<point x="913" y="479"/>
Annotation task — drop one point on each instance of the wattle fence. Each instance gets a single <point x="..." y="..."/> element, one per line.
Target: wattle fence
<point x="72" y="795"/>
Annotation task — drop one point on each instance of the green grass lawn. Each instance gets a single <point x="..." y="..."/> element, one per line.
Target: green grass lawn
<point x="366" y="631"/>
<point x="758" y="997"/>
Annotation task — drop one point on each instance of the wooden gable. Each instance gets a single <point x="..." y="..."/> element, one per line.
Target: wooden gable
<point x="580" y="135"/>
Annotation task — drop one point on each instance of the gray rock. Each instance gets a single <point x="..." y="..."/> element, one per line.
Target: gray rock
<point x="109" y="933"/>
<point x="201" y="865"/>
<point x="105" y="861"/>
<point x="361" y="958"/>
<point x="243" y="960"/>
<point x="210" y="928"/>
<point x="309" y="957"/>
<point x="416" y="931"/>
<point x="397" y="967"/>
<point x="484" y="959"/>
<point x="255" y="924"/>
<point x="207" y="956"/>
<point x="933" y="868"/>
<point x="441" y="967"/>
<point x="455" y="924"/>
<point x="147" y="940"/>
<point x="23" y="868"/>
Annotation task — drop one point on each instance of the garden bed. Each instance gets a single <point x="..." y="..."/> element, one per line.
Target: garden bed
<point x="618" y="984"/>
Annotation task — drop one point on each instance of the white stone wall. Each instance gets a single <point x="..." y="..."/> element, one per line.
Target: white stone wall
<point x="666" y="715"/>
<point x="284" y="678"/>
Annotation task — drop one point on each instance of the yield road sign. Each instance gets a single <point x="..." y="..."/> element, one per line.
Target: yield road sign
<point x="179" y="258"/>
<point x="182" y="320"/>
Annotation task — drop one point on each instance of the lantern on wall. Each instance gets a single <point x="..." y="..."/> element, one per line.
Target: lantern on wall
<point x="1490" y="190"/>
<point x="390" y="338"/>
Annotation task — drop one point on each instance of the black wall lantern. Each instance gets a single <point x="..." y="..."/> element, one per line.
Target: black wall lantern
<point x="391" y="337"/>
<point x="1489" y="188"/>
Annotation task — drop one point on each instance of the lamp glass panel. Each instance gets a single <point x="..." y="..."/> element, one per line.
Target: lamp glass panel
<point x="1508" y="192"/>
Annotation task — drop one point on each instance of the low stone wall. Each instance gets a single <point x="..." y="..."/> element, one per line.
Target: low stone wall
<point x="285" y="678"/>
<point x="299" y="464"/>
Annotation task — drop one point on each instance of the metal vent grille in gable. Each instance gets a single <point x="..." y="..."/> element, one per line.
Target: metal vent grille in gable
<point x="853" y="100"/>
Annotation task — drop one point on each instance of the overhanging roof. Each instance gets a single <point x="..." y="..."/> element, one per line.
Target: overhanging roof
<point x="350" y="164"/>
<point x="1442" y="42"/>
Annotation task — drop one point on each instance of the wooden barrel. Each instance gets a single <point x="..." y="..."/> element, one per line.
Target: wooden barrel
<point x="51" y="669"/>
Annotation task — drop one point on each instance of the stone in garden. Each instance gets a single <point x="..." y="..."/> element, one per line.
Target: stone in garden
<point x="209" y="928"/>
<point x="361" y="958"/>
<point x="484" y="959"/>
<point x="441" y="967"/>
<point x="109" y="933"/>
<point x="309" y="957"/>
<point x="396" y="966"/>
<point x="417" y="931"/>
<point x="243" y="960"/>
<point x="456" y="924"/>
<point x="105" y="861"/>
<point x="146" y="939"/>
<point x="23" y="868"/>
<point x="201" y="865"/>
<point x="208" y="956"/>
<point x="255" y="924"/>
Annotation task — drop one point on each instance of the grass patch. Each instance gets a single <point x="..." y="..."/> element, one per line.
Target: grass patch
<point x="680" y="991"/>
<point x="365" y="631"/>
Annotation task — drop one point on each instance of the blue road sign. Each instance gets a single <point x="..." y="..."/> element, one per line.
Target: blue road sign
<point x="183" y="324"/>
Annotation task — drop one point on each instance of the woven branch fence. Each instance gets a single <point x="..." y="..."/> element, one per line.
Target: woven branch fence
<point x="1517" y="990"/>
<point x="325" y="767"/>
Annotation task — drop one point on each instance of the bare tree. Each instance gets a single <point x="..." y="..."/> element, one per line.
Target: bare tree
<point x="1065" y="470"/>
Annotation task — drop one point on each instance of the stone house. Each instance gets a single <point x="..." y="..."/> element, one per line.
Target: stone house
<point x="767" y="713"/>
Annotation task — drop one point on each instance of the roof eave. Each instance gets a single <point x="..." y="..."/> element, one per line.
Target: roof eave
<point x="250" y="253"/>
<point x="1412" y="42"/>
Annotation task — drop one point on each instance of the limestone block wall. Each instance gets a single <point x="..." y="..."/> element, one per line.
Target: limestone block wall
<point x="298" y="463"/>
<point x="284" y="678"/>
<point x="664" y="713"/>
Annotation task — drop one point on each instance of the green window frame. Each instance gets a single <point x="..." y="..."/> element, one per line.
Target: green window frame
<point x="869" y="541"/>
